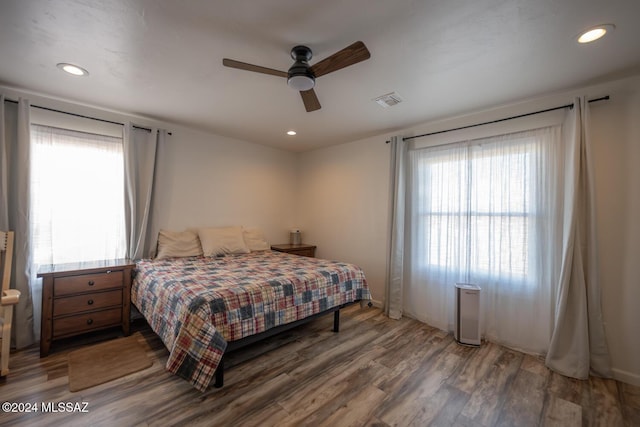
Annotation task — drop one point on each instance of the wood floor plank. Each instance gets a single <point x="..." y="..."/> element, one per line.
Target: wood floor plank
<point x="565" y="388"/>
<point x="443" y="408"/>
<point x="416" y="392"/>
<point x="345" y="391"/>
<point x="524" y="400"/>
<point x="408" y="362"/>
<point x="374" y="372"/>
<point x="485" y="403"/>
<point x="602" y="406"/>
<point x="476" y="367"/>
<point x="357" y="409"/>
<point x="630" y="402"/>
<point x="562" y="413"/>
<point x="242" y="407"/>
<point x="314" y="392"/>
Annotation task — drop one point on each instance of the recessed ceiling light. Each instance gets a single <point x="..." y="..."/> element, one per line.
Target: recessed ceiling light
<point x="594" y="33"/>
<point x="291" y="132"/>
<point x="73" y="69"/>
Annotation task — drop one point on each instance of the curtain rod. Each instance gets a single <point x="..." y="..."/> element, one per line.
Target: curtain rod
<point x="603" y="98"/>
<point x="82" y="116"/>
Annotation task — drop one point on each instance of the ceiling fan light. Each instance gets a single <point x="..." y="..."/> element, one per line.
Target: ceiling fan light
<point x="299" y="75"/>
<point x="301" y="82"/>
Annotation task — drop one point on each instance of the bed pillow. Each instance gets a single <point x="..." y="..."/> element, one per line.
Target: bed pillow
<point x="254" y="239"/>
<point x="222" y="240"/>
<point x="178" y="244"/>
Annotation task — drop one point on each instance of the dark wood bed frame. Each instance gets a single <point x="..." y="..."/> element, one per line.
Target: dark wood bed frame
<point x="235" y="345"/>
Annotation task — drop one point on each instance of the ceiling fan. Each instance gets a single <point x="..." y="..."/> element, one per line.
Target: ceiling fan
<point x="302" y="76"/>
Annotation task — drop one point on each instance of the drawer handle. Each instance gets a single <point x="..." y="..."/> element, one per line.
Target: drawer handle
<point x="90" y="302"/>
<point x="89" y="321"/>
<point x="91" y="283"/>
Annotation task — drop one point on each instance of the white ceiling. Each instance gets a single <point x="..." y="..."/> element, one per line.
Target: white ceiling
<point x="163" y="59"/>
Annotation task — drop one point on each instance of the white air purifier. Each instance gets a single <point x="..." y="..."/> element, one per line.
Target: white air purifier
<point x="467" y="314"/>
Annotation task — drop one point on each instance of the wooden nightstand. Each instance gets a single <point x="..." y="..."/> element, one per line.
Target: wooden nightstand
<point x="84" y="297"/>
<point x="301" y="249"/>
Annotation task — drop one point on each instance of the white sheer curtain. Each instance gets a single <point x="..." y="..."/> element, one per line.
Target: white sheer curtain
<point x="77" y="196"/>
<point x="485" y="212"/>
<point x="77" y="201"/>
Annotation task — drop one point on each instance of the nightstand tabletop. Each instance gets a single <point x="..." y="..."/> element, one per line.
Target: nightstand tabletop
<point x="84" y="267"/>
<point x="288" y="247"/>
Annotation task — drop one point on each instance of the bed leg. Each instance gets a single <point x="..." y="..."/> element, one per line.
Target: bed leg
<point x="336" y="321"/>
<point x="219" y="374"/>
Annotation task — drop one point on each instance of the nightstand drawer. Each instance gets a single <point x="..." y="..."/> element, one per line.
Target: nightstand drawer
<point x="87" y="302"/>
<point x="300" y="249"/>
<point x="87" y="322"/>
<point x="87" y="283"/>
<point x="303" y="252"/>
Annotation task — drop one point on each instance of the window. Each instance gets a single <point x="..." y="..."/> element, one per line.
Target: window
<point x="475" y="208"/>
<point x="487" y="211"/>
<point x="77" y="202"/>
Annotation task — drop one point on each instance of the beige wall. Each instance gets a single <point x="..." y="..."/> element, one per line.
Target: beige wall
<point x="344" y="204"/>
<point x="209" y="180"/>
<point x="616" y="137"/>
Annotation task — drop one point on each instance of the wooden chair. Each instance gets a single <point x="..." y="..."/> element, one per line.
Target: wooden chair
<point x="8" y="299"/>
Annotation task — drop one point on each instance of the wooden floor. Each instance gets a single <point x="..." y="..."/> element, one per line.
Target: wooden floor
<point x="375" y="372"/>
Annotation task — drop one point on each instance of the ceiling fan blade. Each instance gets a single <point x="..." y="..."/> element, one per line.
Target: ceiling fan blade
<point x="310" y="100"/>
<point x="350" y="55"/>
<point x="250" y="67"/>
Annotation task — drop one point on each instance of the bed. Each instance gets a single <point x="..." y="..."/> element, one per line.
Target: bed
<point x="201" y="306"/>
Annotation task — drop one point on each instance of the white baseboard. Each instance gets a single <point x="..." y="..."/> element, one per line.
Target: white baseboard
<point x="626" y="377"/>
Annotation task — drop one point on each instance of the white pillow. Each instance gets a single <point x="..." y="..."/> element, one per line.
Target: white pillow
<point x="222" y="240"/>
<point x="254" y="239"/>
<point x="178" y="244"/>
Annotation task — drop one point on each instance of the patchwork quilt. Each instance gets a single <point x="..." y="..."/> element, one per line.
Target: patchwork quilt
<point x="196" y="305"/>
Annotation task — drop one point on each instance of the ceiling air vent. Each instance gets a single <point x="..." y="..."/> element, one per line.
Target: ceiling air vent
<point x="388" y="100"/>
